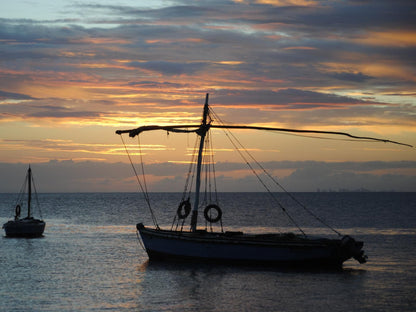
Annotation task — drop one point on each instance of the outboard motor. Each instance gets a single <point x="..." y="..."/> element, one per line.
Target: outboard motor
<point x="354" y="248"/>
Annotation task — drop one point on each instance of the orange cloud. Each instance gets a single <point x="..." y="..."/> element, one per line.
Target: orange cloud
<point x="76" y="54"/>
<point x="373" y="68"/>
<point x="167" y="41"/>
<point x="300" y="48"/>
<point x="388" y="39"/>
<point x="282" y="2"/>
<point x="100" y="41"/>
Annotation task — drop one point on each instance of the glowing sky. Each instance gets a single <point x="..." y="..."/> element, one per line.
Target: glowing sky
<point x="73" y="72"/>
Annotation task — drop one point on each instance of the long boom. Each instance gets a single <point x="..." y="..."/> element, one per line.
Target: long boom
<point x="187" y="129"/>
<point x="178" y="128"/>
<point x="311" y="131"/>
<point x="205" y="125"/>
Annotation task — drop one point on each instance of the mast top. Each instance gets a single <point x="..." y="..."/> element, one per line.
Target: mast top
<point x="206" y="110"/>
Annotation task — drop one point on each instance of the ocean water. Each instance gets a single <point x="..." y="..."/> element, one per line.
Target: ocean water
<point x="91" y="260"/>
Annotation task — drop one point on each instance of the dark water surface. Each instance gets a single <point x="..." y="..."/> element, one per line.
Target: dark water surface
<point x="90" y="259"/>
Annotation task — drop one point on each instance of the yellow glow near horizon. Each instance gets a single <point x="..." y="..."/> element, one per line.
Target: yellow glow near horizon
<point x="71" y="78"/>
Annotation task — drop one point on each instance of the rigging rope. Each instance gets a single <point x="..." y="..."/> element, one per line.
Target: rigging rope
<point x="228" y="133"/>
<point x="293" y="197"/>
<point x="190" y="176"/>
<point x="213" y="172"/>
<point x="281" y="186"/>
<point x="142" y="166"/>
<point x="186" y="195"/>
<point x="22" y="192"/>
<point x="36" y="197"/>
<point x="262" y="182"/>
<point x="210" y="185"/>
<point x="205" y="163"/>
<point x="144" y="189"/>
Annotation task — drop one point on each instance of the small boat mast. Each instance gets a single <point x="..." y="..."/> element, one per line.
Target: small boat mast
<point x="29" y="197"/>
<point x="28" y="226"/>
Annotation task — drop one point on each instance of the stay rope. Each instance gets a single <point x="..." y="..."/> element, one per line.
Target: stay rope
<point x="228" y="134"/>
<point x="210" y="179"/>
<point x="186" y="195"/>
<point x="190" y="175"/>
<point x="261" y="180"/>
<point x="142" y="187"/>
<point x="213" y="172"/>
<point x="294" y="198"/>
<point x="36" y="197"/>
<point x="21" y="195"/>
<point x="19" y="200"/>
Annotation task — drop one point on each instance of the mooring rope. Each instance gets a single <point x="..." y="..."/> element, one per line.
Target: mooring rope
<point x="140" y="241"/>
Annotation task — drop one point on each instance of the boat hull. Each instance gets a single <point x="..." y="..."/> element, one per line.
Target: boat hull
<point x="27" y="227"/>
<point x="244" y="248"/>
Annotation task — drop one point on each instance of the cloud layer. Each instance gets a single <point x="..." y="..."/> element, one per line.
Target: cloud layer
<point x="304" y="176"/>
<point x="70" y="78"/>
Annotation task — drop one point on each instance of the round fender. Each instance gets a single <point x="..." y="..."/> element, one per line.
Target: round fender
<point x="17" y="210"/>
<point x="184" y="209"/>
<point x="207" y="213"/>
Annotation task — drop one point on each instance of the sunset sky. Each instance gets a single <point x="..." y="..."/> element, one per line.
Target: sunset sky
<point x="74" y="72"/>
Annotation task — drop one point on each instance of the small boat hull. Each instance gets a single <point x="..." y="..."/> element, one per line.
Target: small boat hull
<point x="27" y="227"/>
<point x="274" y="249"/>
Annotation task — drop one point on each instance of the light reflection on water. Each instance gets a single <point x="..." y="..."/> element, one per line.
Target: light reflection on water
<point x="103" y="268"/>
<point x="92" y="261"/>
<point x="72" y="268"/>
<point x="227" y="288"/>
<point x="55" y="227"/>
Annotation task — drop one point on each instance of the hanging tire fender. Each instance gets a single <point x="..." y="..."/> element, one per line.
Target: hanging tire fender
<point x="17" y="210"/>
<point x="184" y="209"/>
<point x="208" y="217"/>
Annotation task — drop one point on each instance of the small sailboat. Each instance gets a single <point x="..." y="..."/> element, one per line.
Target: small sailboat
<point x="205" y="244"/>
<point x="28" y="226"/>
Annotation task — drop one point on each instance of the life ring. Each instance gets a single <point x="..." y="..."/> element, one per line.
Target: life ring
<point x="207" y="215"/>
<point x="17" y="210"/>
<point x="184" y="209"/>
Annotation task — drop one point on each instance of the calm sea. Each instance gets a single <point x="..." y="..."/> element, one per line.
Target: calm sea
<point x="90" y="259"/>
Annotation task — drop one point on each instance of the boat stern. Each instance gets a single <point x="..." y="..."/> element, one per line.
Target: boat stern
<point x="353" y="249"/>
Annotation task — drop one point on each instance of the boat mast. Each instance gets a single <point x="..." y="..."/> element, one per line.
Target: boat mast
<point x="29" y="177"/>
<point x="202" y="131"/>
